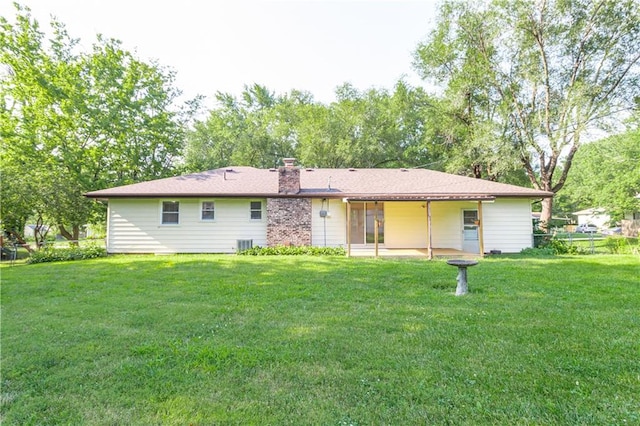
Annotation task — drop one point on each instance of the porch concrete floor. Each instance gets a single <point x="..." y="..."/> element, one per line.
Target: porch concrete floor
<point x="444" y="253"/>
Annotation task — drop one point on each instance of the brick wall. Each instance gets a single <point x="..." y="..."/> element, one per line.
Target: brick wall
<point x="288" y="221"/>
<point x="288" y="180"/>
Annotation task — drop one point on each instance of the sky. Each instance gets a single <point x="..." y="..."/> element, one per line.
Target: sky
<point x="223" y="45"/>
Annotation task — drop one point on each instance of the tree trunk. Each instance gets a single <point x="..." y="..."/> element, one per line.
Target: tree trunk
<point x="545" y="215"/>
<point x="72" y="238"/>
<point x="39" y="233"/>
<point x="21" y="241"/>
<point x="477" y="171"/>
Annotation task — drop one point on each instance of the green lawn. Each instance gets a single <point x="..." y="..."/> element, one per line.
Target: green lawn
<point x="328" y="341"/>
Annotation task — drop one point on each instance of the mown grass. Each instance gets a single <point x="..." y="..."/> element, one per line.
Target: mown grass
<point x="331" y="341"/>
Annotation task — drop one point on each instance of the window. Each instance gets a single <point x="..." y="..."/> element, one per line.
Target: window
<point x="256" y="210"/>
<point x="170" y="212"/>
<point x="208" y="211"/>
<point x="470" y="217"/>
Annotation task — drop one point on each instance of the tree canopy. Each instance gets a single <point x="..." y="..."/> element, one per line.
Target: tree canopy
<point x="525" y="81"/>
<point x="606" y="174"/>
<point x="71" y="122"/>
<point x="373" y="128"/>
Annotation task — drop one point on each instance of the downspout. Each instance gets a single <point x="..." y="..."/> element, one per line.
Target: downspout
<point x="429" y="240"/>
<point x="480" y="229"/>
<point x="348" y="229"/>
<point x="375" y="227"/>
<point x="107" y="238"/>
<point x="324" y="220"/>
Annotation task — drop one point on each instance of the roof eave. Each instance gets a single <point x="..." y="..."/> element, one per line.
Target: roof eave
<point x="338" y="195"/>
<point x="526" y="195"/>
<point x="98" y="195"/>
<point x="419" y="197"/>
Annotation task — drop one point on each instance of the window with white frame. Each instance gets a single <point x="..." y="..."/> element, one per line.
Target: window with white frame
<point x="170" y="212"/>
<point x="256" y="210"/>
<point x="208" y="210"/>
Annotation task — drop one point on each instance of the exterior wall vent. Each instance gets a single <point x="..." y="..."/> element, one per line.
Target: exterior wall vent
<point x="244" y="245"/>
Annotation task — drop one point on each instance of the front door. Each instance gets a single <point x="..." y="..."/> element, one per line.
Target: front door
<point x="470" y="240"/>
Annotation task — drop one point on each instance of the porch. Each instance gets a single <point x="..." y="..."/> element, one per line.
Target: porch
<point x="386" y="227"/>
<point x="440" y="253"/>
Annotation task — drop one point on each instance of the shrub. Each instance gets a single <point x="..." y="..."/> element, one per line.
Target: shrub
<point x="50" y="254"/>
<point x="621" y="245"/>
<point x="562" y="247"/>
<point x="540" y="238"/>
<point x="550" y="246"/>
<point x="293" y="251"/>
<point x="538" y="251"/>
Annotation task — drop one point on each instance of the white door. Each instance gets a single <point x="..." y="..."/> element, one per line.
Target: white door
<point x="470" y="240"/>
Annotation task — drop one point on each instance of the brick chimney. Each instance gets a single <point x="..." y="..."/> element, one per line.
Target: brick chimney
<point x="288" y="218"/>
<point x="289" y="177"/>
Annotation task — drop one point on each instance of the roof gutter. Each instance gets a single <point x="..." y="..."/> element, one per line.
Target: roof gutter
<point x="337" y="195"/>
<point x="420" y="198"/>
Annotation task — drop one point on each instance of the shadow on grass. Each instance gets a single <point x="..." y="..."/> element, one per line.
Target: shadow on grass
<point x="229" y="339"/>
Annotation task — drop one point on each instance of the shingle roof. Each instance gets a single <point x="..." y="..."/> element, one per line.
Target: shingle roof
<point x="387" y="184"/>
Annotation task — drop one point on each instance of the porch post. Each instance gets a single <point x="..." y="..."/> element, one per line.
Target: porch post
<point x="480" y="229"/>
<point x="429" y="241"/>
<point x="375" y="227"/>
<point x="348" y="229"/>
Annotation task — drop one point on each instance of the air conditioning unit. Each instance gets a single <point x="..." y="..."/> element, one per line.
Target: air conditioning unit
<point x="244" y="245"/>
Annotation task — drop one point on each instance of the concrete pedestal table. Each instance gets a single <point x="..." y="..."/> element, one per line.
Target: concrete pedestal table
<point x="462" y="265"/>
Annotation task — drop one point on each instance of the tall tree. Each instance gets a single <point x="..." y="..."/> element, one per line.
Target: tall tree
<point x="534" y="77"/>
<point x="606" y="174"/>
<point x="74" y="122"/>
<point x="251" y="131"/>
<point x="378" y="128"/>
<point x="373" y="128"/>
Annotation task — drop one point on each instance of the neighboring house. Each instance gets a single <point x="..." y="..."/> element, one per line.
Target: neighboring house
<point x="597" y="216"/>
<point x="631" y="222"/>
<point x="30" y="230"/>
<point x="224" y="210"/>
<point x="555" y="220"/>
<point x="594" y="216"/>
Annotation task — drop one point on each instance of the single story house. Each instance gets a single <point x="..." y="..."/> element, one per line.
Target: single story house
<point x="593" y="216"/>
<point x="600" y="218"/>
<point x="228" y="209"/>
<point x="30" y="230"/>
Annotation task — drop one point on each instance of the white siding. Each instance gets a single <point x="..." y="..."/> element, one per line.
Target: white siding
<point x="333" y="227"/>
<point x="405" y="225"/>
<point x="134" y="227"/>
<point x="601" y="220"/>
<point x="507" y="225"/>
<point x="446" y="223"/>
